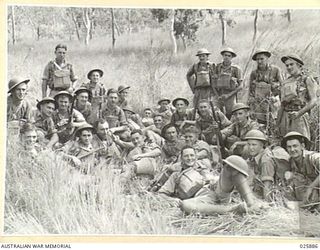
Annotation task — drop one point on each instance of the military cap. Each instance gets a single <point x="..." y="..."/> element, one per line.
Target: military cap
<point x="164" y="100"/>
<point x="294" y="57"/>
<point x="165" y="128"/>
<point x="112" y="91"/>
<point x="63" y="93"/>
<point x="122" y="88"/>
<point x="95" y="70"/>
<point x="203" y="51"/>
<point x="83" y="89"/>
<point x="239" y="106"/>
<point x="230" y="50"/>
<point x="255" y="134"/>
<point x="180" y="99"/>
<point x="238" y="163"/>
<point x="261" y="51"/>
<point x="14" y="82"/>
<point x="293" y="135"/>
<point x="47" y="100"/>
<point x="130" y="109"/>
<point x="85" y="126"/>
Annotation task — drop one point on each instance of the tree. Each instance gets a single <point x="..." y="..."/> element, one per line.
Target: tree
<point x="289" y="16"/>
<point x="172" y="33"/>
<point x="223" y="27"/>
<point x="255" y="25"/>
<point x="112" y="28"/>
<point x="13" y="33"/>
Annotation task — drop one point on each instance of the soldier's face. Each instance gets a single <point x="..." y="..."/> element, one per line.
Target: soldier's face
<point x="63" y="103"/>
<point x="103" y="130"/>
<point x="295" y="148"/>
<point x="227" y="57"/>
<point x="241" y="116"/>
<point x="125" y="135"/>
<point x="20" y="91"/>
<point x="293" y="67"/>
<point x="203" y="108"/>
<point x="47" y="109"/>
<point x="85" y="137"/>
<point x="95" y="77"/>
<point x="164" y="105"/>
<point x="190" y="138"/>
<point x="147" y="113"/>
<point x="60" y="54"/>
<point x="157" y="120"/>
<point x="180" y="106"/>
<point x="188" y="157"/>
<point x="137" y="139"/>
<point x="203" y="57"/>
<point x="113" y="98"/>
<point x="171" y="134"/>
<point x="82" y="98"/>
<point x="262" y="60"/>
<point x="30" y="138"/>
<point x="255" y="147"/>
<point x="124" y="94"/>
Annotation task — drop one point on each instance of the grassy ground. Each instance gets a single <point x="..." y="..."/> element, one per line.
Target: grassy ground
<point x="47" y="198"/>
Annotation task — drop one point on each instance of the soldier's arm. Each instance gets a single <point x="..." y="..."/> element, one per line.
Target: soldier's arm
<point x="251" y="85"/>
<point x="228" y="131"/>
<point x="53" y="140"/>
<point x="152" y="154"/>
<point x="45" y="81"/>
<point x="312" y="88"/>
<point x="190" y="74"/>
<point x="239" y="80"/>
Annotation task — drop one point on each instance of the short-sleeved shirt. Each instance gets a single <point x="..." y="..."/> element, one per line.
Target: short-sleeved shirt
<point x="20" y="111"/>
<point x="270" y="75"/>
<point x="178" y="118"/>
<point x="114" y="115"/>
<point x="51" y="67"/>
<point x="85" y="111"/>
<point x="45" y="125"/>
<point x="208" y="67"/>
<point x="231" y="69"/>
<point x="238" y="130"/>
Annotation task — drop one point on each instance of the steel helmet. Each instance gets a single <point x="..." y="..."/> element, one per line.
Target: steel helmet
<point x="294" y="57"/>
<point x="238" y="163"/>
<point x="203" y="51"/>
<point x="14" y="82"/>
<point x="292" y="135"/>
<point x="85" y="126"/>
<point x="239" y="106"/>
<point x="230" y="50"/>
<point x="255" y="134"/>
<point x="261" y="51"/>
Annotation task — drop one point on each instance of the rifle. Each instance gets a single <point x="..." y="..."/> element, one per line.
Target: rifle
<point x="101" y="93"/>
<point x="220" y="142"/>
<point x="90" y="153"/>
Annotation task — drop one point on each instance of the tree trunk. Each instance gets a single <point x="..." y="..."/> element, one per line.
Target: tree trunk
<point x="112" y="29"/>
<point x="184" y="43"/>
<point x="223" y="28"/>
<point x="75" y="25"/>
<point x="129" y="21"/>
<point x="87" y="25"/>
<point x="13" y="27"/>
<point x="172" y="36"/>
<point x="289" y="16"/>
<point x="255" y="25"/>
<point x="38" y="33"/>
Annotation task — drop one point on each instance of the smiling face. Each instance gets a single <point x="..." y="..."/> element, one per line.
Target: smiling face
<point x="188" y="157"/>
<point x="293" y="67"/>
<point x="47" y="109"/>
<point x="158" y="121"/>
<point x="203" y="58"/>
<point x="20" y="91"/>
<point x="63" y="103"/>
<point x="227" y="57"/>
<point x="95" y="77"/>
<point x="180" y="106"/>
<point x="295" y="148"/>
<point x="255" y="147"/>
<point x="203" y="108"/>
<point x="137" y="139"/>
<point x="82" y="98"/>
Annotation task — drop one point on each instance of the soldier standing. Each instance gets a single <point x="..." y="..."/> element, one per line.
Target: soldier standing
<point x="199" y="77"/>
<point x="227" y="81"/>
<point x="298" y="96"/>
<point x="264" y="86"/>
<point x="58" y="75"/>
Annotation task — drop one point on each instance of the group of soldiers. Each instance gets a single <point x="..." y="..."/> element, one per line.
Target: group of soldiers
<point x="198" y="157"/>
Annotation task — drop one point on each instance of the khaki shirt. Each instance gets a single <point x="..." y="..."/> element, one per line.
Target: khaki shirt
<point x="178" y="118"/>
<point x="45" y="125"/>
<point x="18" y="111"/>
<point x="238" y="130"/>
<point x="115" y="113"/>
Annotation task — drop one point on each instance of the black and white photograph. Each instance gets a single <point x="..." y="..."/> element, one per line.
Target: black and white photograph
<point x="162" y="121"/>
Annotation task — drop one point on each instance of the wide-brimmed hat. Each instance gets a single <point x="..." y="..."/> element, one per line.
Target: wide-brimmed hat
<point x="83" y="89"/>
<point x="230" y="50"/>
<point x="292" y="135"/>
<point x="164" y="100"/>
<point x="255" y="134"/>
<point x="122" y="88"/>
<point x="180" y="99"/>
<point x="261" y="51"/>
<point x="94" y="70"/>
<point x="65" y="93"/>
<point x="239" y="106"/>
<point x="47" y="100"/>
<point x="237" y="163"/>
<point x="128" y="108"/>
<point x="14" y="82"/>
<point x="203" y="51"/>
<point x="85" y="126"/>
<point x="294" y="57"/>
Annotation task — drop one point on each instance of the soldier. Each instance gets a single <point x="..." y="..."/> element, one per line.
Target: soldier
<point x="58" y="75"/>
<point x="46" y="130"/>
<point x="264" y="86"/>
<point x="18" y="108"/>
<point x="164" y="109"/>
<point x="82" y="103"/>
<point x="267" y="165"/>
<point x="182" y="114"/>
<point x="111" y="112"/>
<point x="157" y="125"/>
<point x="66" y="118"/>
<point x="298" y="96"/>
<point x="147" y="119"/>
<point x="173" y="144"/>
<point x="133" y="119"/>
<point x="227" y="81"/>
<point x="98" y="92"/>
<point x="123" y="92"/>
<point x="216" y="198"/>
<point x="199" y="77"/>
<point x="235" y="133"/>
<point x="303" y="176"/>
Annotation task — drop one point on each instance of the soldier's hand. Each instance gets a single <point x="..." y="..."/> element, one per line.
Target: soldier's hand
<point x="307" y="195"/>
<point x="137" y="157"/>
<point x="293" y="115"/>
<point x="76" y="161"/>
<point x="222" y="97"/>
